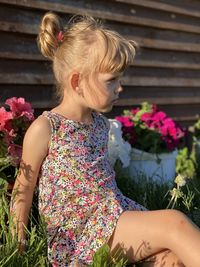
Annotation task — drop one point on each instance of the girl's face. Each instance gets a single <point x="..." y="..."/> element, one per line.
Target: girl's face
<point x="104" y="93"/>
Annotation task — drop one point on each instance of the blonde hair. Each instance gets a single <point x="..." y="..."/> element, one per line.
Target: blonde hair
<point x="86" y="46"/>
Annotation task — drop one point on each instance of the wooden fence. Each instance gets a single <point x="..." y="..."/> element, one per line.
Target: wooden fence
<point x="166" y="70"/>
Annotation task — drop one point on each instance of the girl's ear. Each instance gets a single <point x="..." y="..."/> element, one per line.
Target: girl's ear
<point x="74" y="80"/>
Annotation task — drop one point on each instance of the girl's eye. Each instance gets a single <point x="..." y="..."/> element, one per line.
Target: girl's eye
<point x="113" y="79"/>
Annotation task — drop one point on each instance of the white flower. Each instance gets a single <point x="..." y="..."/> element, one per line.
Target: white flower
<point x="180" y="180"/>
<point x="175" y="193"/>
<point x="117" y="147"/>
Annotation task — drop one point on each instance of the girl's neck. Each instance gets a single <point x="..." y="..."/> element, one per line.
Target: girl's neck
<point x="74" y="112"/>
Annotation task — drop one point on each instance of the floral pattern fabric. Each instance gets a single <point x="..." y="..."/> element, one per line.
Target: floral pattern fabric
<point x="78" y="195"/>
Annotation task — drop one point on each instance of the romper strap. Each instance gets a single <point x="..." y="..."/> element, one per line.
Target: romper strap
<point x="53" y="119"/>
<point x="105" y="121"/>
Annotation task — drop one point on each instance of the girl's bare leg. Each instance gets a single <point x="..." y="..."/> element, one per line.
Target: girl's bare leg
<point x="141" y="234"/>
<point x="162" y="259"/>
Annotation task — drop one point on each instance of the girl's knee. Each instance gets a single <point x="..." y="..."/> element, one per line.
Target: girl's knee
<point x="176" y="221"/>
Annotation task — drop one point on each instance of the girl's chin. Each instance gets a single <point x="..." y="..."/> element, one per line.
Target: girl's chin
<point x="106" y="109"/>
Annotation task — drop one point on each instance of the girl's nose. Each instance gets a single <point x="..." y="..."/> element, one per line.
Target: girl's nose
<point x="119" y="88"/>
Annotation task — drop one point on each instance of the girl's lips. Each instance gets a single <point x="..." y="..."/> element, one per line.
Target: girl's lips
<point x="115" y="100"/>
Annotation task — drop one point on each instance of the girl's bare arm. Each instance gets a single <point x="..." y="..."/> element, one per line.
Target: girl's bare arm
<point x="35" y="147"/>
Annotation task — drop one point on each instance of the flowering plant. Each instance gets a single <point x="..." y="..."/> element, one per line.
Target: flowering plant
<point x="15" y="118"/>
<point x="150" y="130"/>
<point x="185" y="196"/>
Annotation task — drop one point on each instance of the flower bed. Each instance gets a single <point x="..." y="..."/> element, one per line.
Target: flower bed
<point x="151" y="139"/>
<point x="150" y="130"/>
<point x="15" y="117"/>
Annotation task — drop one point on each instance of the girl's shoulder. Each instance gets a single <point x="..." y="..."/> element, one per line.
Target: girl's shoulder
<point x="51" y="119"/>
<point x="38" y="136"/>
<point x="39" y="127"/>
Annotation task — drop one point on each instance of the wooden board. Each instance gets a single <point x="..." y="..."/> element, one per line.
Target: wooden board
<point x="166" y="70"/>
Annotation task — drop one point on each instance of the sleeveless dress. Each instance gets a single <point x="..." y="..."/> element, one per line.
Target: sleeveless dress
<point x="78" y="195"/>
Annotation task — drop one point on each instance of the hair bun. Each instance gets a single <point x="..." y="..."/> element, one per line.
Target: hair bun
<point x="47" y="39"/>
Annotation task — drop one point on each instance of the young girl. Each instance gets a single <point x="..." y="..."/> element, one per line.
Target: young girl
<point x="65" y="150"/>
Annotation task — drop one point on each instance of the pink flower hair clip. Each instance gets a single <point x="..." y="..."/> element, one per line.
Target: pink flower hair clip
<point x="60" y="37"/>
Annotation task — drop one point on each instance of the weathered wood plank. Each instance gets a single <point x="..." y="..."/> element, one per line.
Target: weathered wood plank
<point x="167" y="66"/>
<point x="18" y="46"/>
<point x="161" y="73"/>
<point x="161" y="6"/>
<point x="162" y="64"/>
<point x="32" y="78"/>
<point x="167" y="56"/>
<point x="24" y="56"/>
<point x="42" y="104"/>
<point x="153" y="33"/>
<point x="160" y="91"/>
<point x="105" y="14"/>
<point x="25" y="78"/>
<point x="143" y="42"/>
<point x="158" y="100"/>
<point x="36" y="78"/>
<point x="165" y="44"/>
<point x="18" y="27"/>
<point x="30" y="92"/>
<point x="137" y="63"/>
<point x="160" y="81"/>
<point x="32" y="17"/>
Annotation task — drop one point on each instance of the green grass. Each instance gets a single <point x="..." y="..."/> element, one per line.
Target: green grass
<point x="36" y="253"/>
<point x="146" y="192"/>
<point x="142" y="190"/>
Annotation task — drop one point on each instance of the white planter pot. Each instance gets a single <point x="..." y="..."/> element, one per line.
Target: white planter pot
<point x="158" y="167"/>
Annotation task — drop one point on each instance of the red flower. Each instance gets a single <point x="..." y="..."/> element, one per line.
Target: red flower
<point x="149" y="129"/>
<point x="135" y="111"/>
<point x="146" y="117"/>
<point x="20" y="108"/>
<point x="125" y="121"/>
<point x="4" y="117"/>
<point x="159" y="116"/>
<point x="13" y="124"/>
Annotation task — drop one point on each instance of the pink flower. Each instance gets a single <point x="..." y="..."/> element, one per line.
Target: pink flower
<point x="20" y="108"/>
<point x="135" y="111"/>
<point x="180" y="132"/>
<point x="169" y="122"/>
<point x="154" y="108"/>
<point x="9" y="136"/>
<point x="146" y="117"/>
<point x="147" y="127"/>
<point x="159" y="116"/>
<point x="171" y="144"/>
<point x="13" y="125"/>
<point x="164" y="130"/>
<point x="125" y="121"/>
<point x="4" y="117"/>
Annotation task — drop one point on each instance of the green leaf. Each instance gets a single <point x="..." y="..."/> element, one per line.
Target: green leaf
<point x="3" y="182"/>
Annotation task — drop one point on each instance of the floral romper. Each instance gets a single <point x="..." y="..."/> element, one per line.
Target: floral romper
<point x="78" y="195"/>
